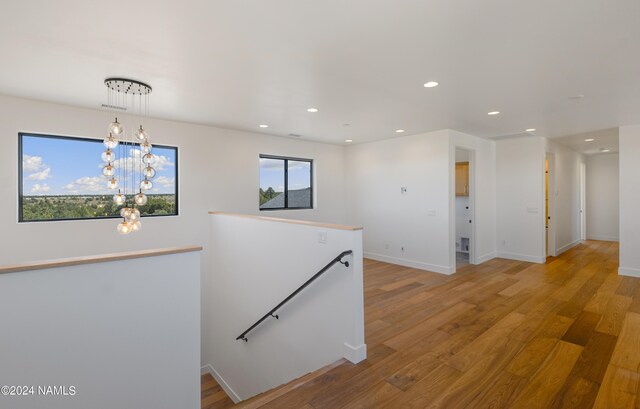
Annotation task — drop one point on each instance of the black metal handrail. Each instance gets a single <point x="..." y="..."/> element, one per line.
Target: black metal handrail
<point x="338" y="259"/>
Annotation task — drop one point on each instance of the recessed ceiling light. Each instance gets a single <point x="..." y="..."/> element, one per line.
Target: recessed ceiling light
<point x="589" y="140"/>
<point x="431" y="84"/>
<point x="399" y="130"/>
<point x="530" y="130"/>
<point x="312" y="110"/>
<point x="605" y="150"/>
<point x="264" y="126"/>
<point x="493" y="113"/>
<point x="579" y="96"/>
<point x="348" y="140"/>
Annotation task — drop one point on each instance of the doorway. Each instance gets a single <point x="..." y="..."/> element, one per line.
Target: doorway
<point x="464" y="214"/>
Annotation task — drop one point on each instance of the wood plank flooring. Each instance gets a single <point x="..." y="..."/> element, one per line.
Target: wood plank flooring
<point x="504" y="334"/>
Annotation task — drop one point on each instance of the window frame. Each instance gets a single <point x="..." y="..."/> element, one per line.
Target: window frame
<point x="286" y="160"/>
<point x="85" y="139"/>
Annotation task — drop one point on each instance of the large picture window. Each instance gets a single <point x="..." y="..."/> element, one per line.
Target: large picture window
<point x="60" y="178"/>
<point x="285" y="183"/>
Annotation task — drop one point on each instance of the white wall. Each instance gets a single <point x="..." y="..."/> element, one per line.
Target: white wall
<point x="417" y="221"/>
<point x="257" y="264"/>
<point x="629" y="199"/>
<point x="483" y="192"/>
<point x="125" y="334"/>
<point x="567" y="195"/>
<point x="520" y="198"/>
<point x="603" y="194"/>
<point x="219" y="170"/>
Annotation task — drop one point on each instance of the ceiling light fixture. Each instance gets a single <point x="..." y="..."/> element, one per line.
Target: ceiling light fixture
<point x="530" y="130"/>
<point x="399" y="130"/>
<point x="133" y="171"/>
<point x="493" y="113"/>
<point x="312" y="110"/>
<point x="348" y="140"/>
<point x="589" y="140"/>
<point x="263" y="126"/>
<point x="605" y="150"/>
<point x="431" y="84"/>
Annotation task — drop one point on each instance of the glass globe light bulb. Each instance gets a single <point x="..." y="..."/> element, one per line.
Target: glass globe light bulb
<point x="134" y="214"/>
<point x="146" y="184"/>
<point x="109" y="170"/>
<point x="124" y="227"/>
<point x="115" y="127"/>
<point x="110" y="142"/>
<point x="108" y="156"/>
<point x="112" y="183"/>
<point x="135" y="226"/>
<point x="125" y="212"/>
<point x="148" y="159"/>
<point x="119" y="199"/>
<point x="149" y="172"/>
<point x="141" y="134"/>
<point x="140" y="199"/>
<point x="146" y="147"/>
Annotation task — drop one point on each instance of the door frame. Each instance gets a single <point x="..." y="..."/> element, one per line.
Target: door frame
<point x="583" y="201"/>
<point x="472" y="205"/>
<point x="551" y="252"/>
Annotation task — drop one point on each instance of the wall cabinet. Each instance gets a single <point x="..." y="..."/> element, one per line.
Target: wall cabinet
<point x="462" y="179"/>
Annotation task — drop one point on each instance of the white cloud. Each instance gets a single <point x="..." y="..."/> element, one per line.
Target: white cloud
<point x="43" y="175"/>
<point x="31" y="163"/>
<point x="278" y="164"/>
<point x="132" y="161"/>
<point x="87" y="185"/>
<point x="41" y="189"/>
<point x="164" y="181"/>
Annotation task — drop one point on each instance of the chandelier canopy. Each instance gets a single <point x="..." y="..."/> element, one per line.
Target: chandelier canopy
<point x="128" y="159"/>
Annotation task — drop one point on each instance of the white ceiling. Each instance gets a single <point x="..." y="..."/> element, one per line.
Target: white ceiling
<point x="239" y="64"/>
<point x="606" y="139"/>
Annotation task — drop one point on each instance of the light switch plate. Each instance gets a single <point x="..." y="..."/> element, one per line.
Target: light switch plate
<point x="322" y="237"/>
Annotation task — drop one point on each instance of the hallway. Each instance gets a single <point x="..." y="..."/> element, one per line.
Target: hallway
<point x="505" y="334"/>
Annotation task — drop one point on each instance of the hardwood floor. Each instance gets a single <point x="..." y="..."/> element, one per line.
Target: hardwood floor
<point x="504" y="334"/>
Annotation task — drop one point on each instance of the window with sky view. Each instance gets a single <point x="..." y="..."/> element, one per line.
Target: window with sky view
<point x="61" y="178"/>
<point x="285" y="183"/>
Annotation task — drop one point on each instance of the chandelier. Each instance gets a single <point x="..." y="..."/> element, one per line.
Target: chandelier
<point x="128" y="158"/>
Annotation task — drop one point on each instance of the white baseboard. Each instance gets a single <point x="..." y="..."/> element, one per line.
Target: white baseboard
<point x="411" y="263"/>
<point x="631" y="272"/>
<point x="355" y="354"/>
<point x="223" y="384"/>
<point x="602" y="238"/>
<point x="486" y="257"/>
<point x="521" y="257"/>
<point x="567" y="247"/>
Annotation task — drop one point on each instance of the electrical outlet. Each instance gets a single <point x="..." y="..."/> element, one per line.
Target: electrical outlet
<point x="402" y="248"/>
<point x="322" y="237"/>
<point x="403" y="190"/>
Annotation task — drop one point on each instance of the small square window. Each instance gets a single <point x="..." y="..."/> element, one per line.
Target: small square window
<point x="285" y="183"/>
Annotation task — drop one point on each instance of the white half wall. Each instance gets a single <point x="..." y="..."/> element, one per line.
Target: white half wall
<point x="603" y="197"/>
<point x="629" y="199"/>
<point x="125" y="334"/>
<point x="257" y="263"/>
<point x="410" y="228"/>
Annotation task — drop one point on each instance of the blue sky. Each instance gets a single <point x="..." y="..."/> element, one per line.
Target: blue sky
<point x="272" y="174"/>
<point x="54" y="166"/>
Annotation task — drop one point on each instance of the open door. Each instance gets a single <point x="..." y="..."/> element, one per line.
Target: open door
<point x="549" y="205"/>
<point x="464" y="243"/>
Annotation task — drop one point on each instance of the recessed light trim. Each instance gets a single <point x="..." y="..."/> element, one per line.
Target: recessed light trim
<point x="348" y="140"/>
<point x="399" y="130"/>
<point x="493" y="113"/>
<point x="263" y="126"/>
<point x="530" y="130"/>
<point x="312" y="110"/>
<point x="589" y="140"/>
<point x="605" y="150"/>
<point x="431" y="84"/>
